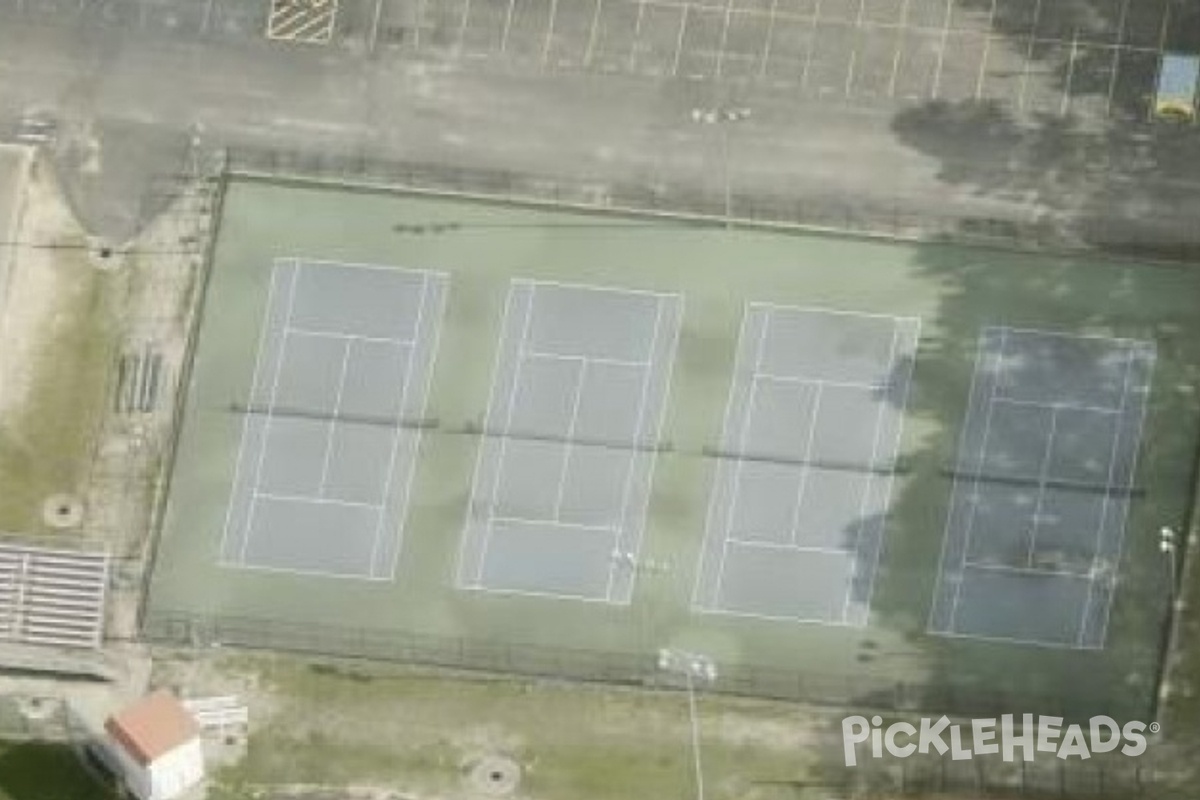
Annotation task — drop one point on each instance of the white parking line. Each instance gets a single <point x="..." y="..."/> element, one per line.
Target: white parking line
<point x="724" y="39"/>
<point x="900" y="37"/>
<point x="1116" y="65"/>
<point x="683" y="18"/>
<point x="1065" y="104"/>
<point x="462" y="27"/>
<point x="1024" y="82"/>
<point x="508" y="18"/>
<point x="812" y="45"/>
<point x="637" y="35"/>
<point x="765" y="56"/>
<point x="592" y="33"/>
<point x="941" y="55"/>
<point x="987" y="47"/>
<point x="546" y="42"/>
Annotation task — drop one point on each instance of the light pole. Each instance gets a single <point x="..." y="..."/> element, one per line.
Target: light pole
<point x="693" y="667"/>
<point x="723" y="116"/>
<point x="1168" y="544"/>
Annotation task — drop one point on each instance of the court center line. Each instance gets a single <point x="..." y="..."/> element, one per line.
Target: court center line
<point x="266" y="436"/>
<point x="508" y="417"/>
<point x="627" y="487"/>
<point x="765" y="55"/>
<point x="743" y="430"/>
<point x="1116" y="63"/>
<point x="263" y="335"/>
<point x="568" y="446"/>
<point x="870" y="480"/>
<point x="411" y="357"/>
<point x="973" y="506"/>
<point x="941" y="55"/>
<point x="488" y="414"/>
<point x="805" y="462"/>
<point x="1023" y="84"/>
<point x="593" y="29"/>
<point x="1106" y="502"/>
<point x="901" y="35"/>
<point x="987" y="47"/>
<point x="1043" y="475"/>
<point x="332" y="422"/>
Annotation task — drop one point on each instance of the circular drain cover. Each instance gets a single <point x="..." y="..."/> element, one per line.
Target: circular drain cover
<point x="495" y="776"/>
<point x="62" y="511"/>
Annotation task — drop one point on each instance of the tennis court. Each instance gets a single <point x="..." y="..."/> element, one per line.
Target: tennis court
<point x="556" y="442"/>
<point x="567" y="455"/>
<point x="331" y="430"/>
<point x="1044" y="479"/>
<point x="804" y="475"/>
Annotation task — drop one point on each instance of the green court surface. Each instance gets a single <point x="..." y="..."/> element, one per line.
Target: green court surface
<point x="1061" y="605"/>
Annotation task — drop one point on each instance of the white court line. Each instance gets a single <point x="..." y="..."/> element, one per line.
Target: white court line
<point x="889" y="479"/>
<point x="569" y="445"/>
<point x="870" y="481"/>
<point x="311" y="500"/>
<point x="462" y="28"/>
<point x="711" y="527"/>
<point x="254" y="387"/>
<point x="1116" y="64"/>
<point x="350" y="337"/>
<point x="901" y="35"/>
<point x="1051" y="334"/>
<point x="590" y="50"/>
<point x="858" y="28"/>
<point x="724" y="40"/>
<point x="508" y="417"/>
<point x="987" y="47"/>
<point x="508" y="18"/>
<point x="1137" y="438"/>
<point x="266" y="436"/>
<point x="1105" y="503"/>
<point x="637" y="35"/>
<point x="536" y="282"/>
<point x="497" y="364"/>
<point x="1065" y="104"/>
<point x="398" y="433"/>
<point x="941" y="53"/>
<point x="627" y="487"/>
<point x="365" y="265"/>
<point x="791" y="548"/>
<point x="683" y="17"/>
<point x="615" y="362"/>
<point x="1023" y="84"/>
<point x="724" y="612"/>
<point x="812" y="44"/>
<point x="549" y="38"/>
<point x="1012" y="401"/>
<point x="805" y="460"/>
<point x="565" y="596"/>
<point x="765" y="56"/>
<point x="1043" y="475"/>
<point x="556" y="523"/>
<point x="973" y="507"/>
<point x="426" y="392"/>
<point x="1060" y="573"/>
<point x="743" y="429"/>
<point x="959" y="481"/>
<point x="337" y="409"/>
<point x="820" y="383"/>
<point x="837" y="312"/>
<point x="1015" y="640"/>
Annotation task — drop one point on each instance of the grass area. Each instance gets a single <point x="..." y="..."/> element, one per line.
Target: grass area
<point x="420" y="732"/>
<point x="46" y="444"/>
<point x="39" y="771"/>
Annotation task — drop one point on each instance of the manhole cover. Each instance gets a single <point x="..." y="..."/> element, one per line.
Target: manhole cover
<point x="495" y="776"/>
<point x="62" y="511"/>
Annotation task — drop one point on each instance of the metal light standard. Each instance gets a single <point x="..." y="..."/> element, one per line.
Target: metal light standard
<point x="723" y="116"/>
<point x="693" y="667"/>
<point x="1168" y="544"/>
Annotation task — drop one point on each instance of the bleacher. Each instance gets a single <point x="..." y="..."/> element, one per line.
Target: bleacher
<point x="52" y="597"/>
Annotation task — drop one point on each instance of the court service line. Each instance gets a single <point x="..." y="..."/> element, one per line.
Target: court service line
<point x="488" y="413"/>
<point x="266" y="436"/>
<point x="743" y="430"/>
<point x="1106" y="502"/>
<point x="972" y="507"/>
<point x="870" y="481"/>
<point x="508" y="417"/>
<point x="263" y="334"/>
<point x="332" y="423"/>
<point x="627" y="486"/>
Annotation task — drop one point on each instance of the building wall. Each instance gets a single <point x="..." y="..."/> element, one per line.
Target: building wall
<point x="167" y="776"/>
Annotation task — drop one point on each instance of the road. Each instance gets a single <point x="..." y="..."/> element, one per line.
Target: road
<point x="128" y="102"/>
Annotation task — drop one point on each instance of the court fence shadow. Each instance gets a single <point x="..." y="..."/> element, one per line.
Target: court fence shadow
<point x="954" y="695"/>
<point x="1161" y="237"/>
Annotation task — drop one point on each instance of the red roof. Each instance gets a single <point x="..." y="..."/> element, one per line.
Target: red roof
<point x="152" y="727"/>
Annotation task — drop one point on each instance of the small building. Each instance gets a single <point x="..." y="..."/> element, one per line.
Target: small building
<point x="156" y="742"/>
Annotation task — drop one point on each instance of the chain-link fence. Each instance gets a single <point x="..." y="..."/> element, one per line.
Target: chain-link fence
<point x="1158" y="235"/>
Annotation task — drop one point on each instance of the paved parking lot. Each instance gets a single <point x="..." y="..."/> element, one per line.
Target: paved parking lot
<point x="1095" y="60"/>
